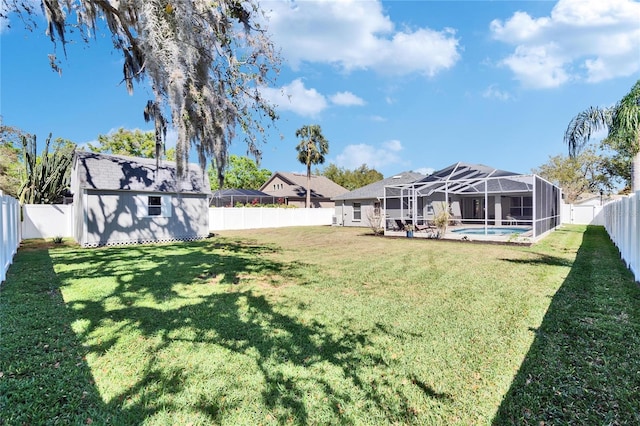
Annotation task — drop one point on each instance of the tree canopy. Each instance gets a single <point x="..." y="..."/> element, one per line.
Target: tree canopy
<point x="135" y="143"/>
<point x="352" y="179"/>
<point x="579" y="174"/>
<point x="623" y="124"/>
<point x="311" y="150"/>
<point x="206" y="62"/>
<point x="11" y="173"/>
<point x="241" y="173"/>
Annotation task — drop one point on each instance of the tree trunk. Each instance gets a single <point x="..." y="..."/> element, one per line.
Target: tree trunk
<point x="308" y="203"/>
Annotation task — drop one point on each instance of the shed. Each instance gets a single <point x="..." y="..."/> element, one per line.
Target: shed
<point x="127" y="200"/>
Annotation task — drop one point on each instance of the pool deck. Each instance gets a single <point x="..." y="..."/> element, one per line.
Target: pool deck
<point x="524" y="238"/>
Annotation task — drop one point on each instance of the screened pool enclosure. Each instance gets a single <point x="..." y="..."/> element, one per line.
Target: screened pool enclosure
<point x="475" y="196"/>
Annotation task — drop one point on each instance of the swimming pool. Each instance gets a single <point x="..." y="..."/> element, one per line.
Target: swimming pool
<point x="491" y="230"/>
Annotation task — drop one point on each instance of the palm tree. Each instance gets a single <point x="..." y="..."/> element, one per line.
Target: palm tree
<point x="623" y="123"/>
<point x="311" y="150"/>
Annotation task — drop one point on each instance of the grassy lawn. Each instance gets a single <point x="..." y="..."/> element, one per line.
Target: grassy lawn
<point x="322" y="325"/>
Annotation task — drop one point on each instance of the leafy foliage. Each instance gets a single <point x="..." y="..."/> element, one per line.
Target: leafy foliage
<point x="135" y="143"/>
<point x="47" y="175"/>
<point x="623" y="123"/>
<point x="352" y="179"/>
<point x="311" y="150"/>
<point x="241" y="173"/>
<point x="578" y="174"/>
<point x="11" y="161"/>
<point x="206" y="62"/>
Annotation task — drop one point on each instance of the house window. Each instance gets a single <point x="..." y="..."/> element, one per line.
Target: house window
<point x="376" y="208"/>
<point x="521" y="207"/>
<point x="154" y="206"/>
<point x="357" y="211"/>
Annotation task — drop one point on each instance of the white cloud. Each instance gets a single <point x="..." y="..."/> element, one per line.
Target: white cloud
<point x="354" y="156"/>
<point x="393" y="145"/>
<point x="296" y="98"/>
<point x="492" y="92"/>
<point x="346" y="99"/>
<point x="589" y="40"/>
<point x="378" y="118"/>
<point x="353" y="34"/>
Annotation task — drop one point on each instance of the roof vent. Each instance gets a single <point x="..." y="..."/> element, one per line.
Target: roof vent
<point x="397" y="177"/>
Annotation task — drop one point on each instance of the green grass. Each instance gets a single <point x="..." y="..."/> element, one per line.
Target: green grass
<point x="322" y="326"/>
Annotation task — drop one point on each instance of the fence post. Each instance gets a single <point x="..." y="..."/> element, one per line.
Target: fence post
<point x="3" y="245"/>
<point x="9" y="232"/>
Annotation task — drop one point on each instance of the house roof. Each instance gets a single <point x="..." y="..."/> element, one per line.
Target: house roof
<point x="321" y="187"/>
<point x="117" y="172"/>
<point x="376" y="189"/>
<point x="461" y="170"/>
<point x="471" y="178"/>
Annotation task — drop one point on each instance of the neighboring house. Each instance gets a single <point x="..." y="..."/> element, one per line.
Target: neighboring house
<point x="125" y="200"/>
<point x="360" y="206"/>
<point x="292" y="188"/>
<point x="476" y="194"/>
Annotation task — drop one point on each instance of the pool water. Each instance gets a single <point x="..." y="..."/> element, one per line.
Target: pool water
<point x="492" y="230"/>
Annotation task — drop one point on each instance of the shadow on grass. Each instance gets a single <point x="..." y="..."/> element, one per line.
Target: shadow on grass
<point x="234" y="319"/>
<point x="44" y="376"/>
<point x="584" y="364"/>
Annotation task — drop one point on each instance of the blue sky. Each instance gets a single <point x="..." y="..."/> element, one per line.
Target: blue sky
<point x="398" y="85"/>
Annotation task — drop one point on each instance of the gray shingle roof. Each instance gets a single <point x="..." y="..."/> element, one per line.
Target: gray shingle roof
<point x="470" y="178"/>
<point x="321" y="187"/>
<point x="461" y="170"/>
<point x="118" y="172"/>
<point x="376" y="189"/>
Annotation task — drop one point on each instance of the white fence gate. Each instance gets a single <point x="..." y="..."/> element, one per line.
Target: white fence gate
<point x="622" y="222"/>
<point x="581" y="214"/>
<point x="9" y="232"/>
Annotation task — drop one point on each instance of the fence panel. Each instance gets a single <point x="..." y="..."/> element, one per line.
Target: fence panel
<point x="622" y="222"/>
<point x="221" y="219"/>
<point x="9" y="232"/>
<point x="47" y="220"/>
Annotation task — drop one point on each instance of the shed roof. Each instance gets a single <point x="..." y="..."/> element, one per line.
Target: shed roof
<point x="117" y="172"/>
<point x="376" y="189"/>
<point x="321" y="187"/>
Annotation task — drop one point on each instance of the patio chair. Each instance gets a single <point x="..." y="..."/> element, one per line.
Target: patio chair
<point x="512" y="220"/>
<point x="423" y="227"/>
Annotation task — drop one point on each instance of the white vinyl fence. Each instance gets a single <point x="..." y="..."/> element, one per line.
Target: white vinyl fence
<point x="221" y="219"/>
<point x="47" y="220"/>
<point x="9" y="232"/>
<point x="622" y="222"/>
